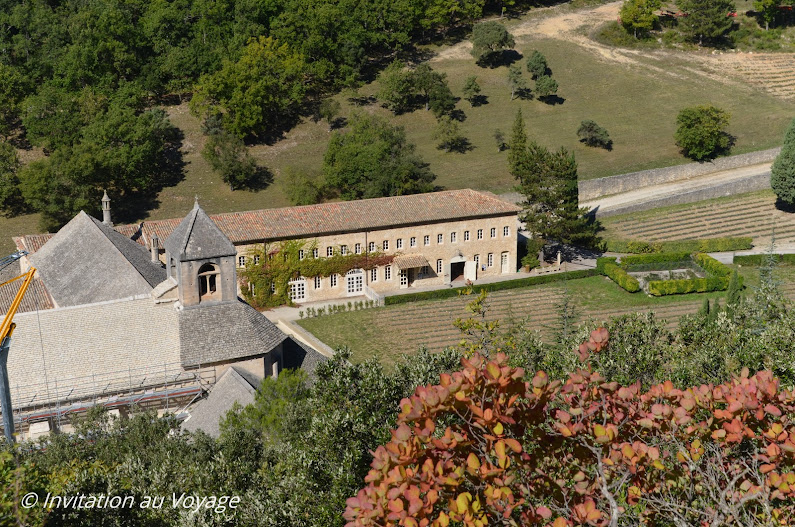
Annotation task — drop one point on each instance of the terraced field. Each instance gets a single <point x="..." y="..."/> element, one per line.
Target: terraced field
<point x="752" y="215"/>
<point x="772" y="72"/>
<point x="389" y="331"/>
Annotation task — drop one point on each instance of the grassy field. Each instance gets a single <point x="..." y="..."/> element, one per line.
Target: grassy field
<point x="636" y="101"/>
<point x="374" y="332"/>
<point x="754" y="214"/>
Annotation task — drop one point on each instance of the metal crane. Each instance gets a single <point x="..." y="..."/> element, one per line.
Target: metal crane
<point x="6" y="329"/>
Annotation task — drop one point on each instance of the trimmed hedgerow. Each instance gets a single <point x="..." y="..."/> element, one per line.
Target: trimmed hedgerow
<point x="497" y="286"/>
<point x="760" y="259"/>
<point x="694" y="285"/>
<point x="602" y="261"/>
<point x="641" y="259"/>
<point x="711" y="265"/>
<point x="620" y="276"/>
<point x="707" y="245"/>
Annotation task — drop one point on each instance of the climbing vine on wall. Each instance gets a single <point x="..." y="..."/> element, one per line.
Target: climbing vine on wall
<point x="265" y="281"/>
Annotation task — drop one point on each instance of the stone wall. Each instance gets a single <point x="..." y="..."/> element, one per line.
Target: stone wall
<point x="596" y="188"/>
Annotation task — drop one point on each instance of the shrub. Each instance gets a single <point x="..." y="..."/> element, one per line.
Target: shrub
<point x="761" y="259"/>
<point x="700" y="132"/>
<point x="711" y="265"/>
<point x="694" y="285"/>
<point x="602" y="261"/>
<point x="620" y="276"/>
<point x="592" y="134"/>
<point x="707" y="245"/>
<point x="497" y="286"/>
<point x="640" y="259"/>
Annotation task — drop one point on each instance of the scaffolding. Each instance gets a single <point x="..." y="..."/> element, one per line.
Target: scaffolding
<point x="166" y="387"/>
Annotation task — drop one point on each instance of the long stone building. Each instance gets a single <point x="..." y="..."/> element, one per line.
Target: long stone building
<point x="431" y="239"/>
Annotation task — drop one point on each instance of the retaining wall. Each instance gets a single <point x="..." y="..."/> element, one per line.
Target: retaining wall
<point x="596" y="188"/>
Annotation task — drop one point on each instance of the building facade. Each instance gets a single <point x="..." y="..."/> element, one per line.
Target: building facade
<point x="437" y="238"/>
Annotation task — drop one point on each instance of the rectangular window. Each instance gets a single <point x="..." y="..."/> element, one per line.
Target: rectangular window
<point x="374" y="274"/>
<point x="466" y="236"/>
<point x="333" y="280"/>
<point x="399" y="243"/>
<point x="343" y="249"/>
<point x="494" y="232"/>
<point x="424" y="271"/>
<point x="273" y="287"/>
<point x="477" y="260"/>
<point x="329" y="251"/>
<point x="300" y="254"/>
<point x="439" y="238"/>
<point x="256" y="259"/>
<point x="426" y="240"/>
<point x="357" y="248"/>
<point x="506" y="231"/>
<point x="490" y="260"/>
<point x="413" y="241"/>
<point x="241" y="261"/>
<point x="438" y="267"/>
<point x="317" y="282"/>
<point x="388" y="272"/>
<point x="453" y="236"/>
<point x="385" y="245"/>
<point x="371" y="247"/>
<point x="480" y="234"/>
<point x="315" y="253"/>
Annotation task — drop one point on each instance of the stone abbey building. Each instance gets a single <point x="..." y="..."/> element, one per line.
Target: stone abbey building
<point x="434" y="239"/>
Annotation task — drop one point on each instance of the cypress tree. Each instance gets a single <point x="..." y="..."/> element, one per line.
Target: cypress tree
<point x="517" y="145"/>
<point x="733" y="294"/>
<point x="704" y="311"/>
<point x="782" y="173"/>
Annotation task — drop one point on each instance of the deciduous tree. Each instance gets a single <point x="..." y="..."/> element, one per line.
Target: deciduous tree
<point x="546" y="86"/>
<point x="396" y="87"/>
<point x="592" y="134"/>
<point x="448" y="135"/>
<point x="537" y="64"/>
<point x="701" y="133"/>
<point x="489" y="39"/>
<point x="638" y="16"/>
<point x="471" y="90"/>
<point x="228" y="156"/>
<point x="782" y="173"/>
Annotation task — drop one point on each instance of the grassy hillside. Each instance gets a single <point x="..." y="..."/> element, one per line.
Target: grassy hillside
<point x="635" y="96"/>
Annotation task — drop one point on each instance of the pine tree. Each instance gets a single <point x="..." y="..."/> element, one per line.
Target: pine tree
<point x="782" y="178"/>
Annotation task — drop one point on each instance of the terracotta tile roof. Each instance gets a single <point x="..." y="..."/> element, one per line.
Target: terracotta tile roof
<point x="35" y="298"/>
<point x="327" y="218"/>
<point x="410" y="261"/>
<point x="32" y="242"/>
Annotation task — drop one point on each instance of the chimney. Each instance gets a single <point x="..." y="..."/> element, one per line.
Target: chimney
<point x="106" y="210"/>
<point x="155" y="248"/>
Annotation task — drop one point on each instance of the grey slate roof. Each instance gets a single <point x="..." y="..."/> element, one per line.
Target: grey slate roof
<point x="235" y="386"/>
<point x="87" y="262"/>
<point x="198" y="237"/>
<point x="215" y="332"/>
<point x="298" y="355"/>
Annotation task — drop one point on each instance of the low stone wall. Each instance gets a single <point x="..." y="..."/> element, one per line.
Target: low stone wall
<point x="749" y="184"/>
<point x="596" y="188"/>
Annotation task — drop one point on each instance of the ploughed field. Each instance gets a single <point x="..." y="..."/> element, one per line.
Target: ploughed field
<point x="386" y="332"/>
<point x="753" y="214"/>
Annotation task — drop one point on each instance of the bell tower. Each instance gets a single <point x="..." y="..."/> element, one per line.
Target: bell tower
<point x="202" y="260"/>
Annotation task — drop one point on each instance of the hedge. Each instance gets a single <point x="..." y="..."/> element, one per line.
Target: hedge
<point x="711" y="265"/>
<point x="640" y="259"/>
<point x="620" y="276"/>
<point x="600" y="263"/>
<point x="759" y="259"/>
<point x="694" y="285"/>
<point x="707" y="245"/>
<point x="496" y="286"/>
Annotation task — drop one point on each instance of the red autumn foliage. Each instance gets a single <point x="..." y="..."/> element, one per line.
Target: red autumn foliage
<point x="485" y="447"/>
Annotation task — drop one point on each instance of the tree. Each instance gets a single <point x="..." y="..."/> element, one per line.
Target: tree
<point x="424" y="79"/>
<point x="440" y="98"/>
<point x="769" y="10"/>
<point x="54" y="117"/>
<point x="499" y="138"/>
<point x="448" y="135"/>
<point x="12" y="91"/>
<point x="537" y="64"/>
<point x="638" y="16"/>
<point x="782" y="173"/>
<point x="592" y="134"/>
<point x="706" y="19"/>
<point x="488" y="41"/>
<point x="546" y="86"/>
<point x="11" y="202"/>
<point x="471" y="90"/>
<point x="396" y="87"/>
<point x="374" y="159"/>
<point x="259" y="93"/>
<point x="517" y="146"/>
<point x="227" y="155"/>
<point x="303" y="188"/>
<point x="700" y="132"/>
<point x="328" y="110"/>
<point x="515" y="80"/>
